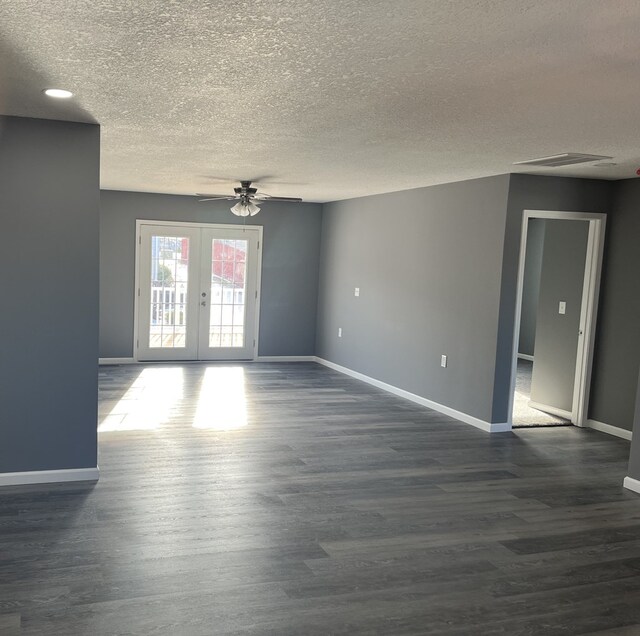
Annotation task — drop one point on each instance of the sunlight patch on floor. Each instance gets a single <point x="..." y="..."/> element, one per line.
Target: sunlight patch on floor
<point x="222" y="400"/>
<point x="148" y="403"/>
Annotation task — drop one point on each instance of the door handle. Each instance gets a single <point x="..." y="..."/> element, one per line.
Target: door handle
<point x="203" y="303"/>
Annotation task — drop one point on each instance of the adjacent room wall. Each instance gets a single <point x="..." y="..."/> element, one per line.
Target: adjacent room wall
<point x="428" y="264"/>
<point x="561" y="279"/>
<point x="531" y="286"/>
<point x="289" y="266"/>
<point x="49" y="201"/>
<point x="617" y="353"/>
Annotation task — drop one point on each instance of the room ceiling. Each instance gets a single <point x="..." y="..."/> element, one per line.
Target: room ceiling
<point x="330" y="99"/>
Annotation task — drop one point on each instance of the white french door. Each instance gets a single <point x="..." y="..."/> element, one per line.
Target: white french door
<point x="228" y="293"/>
<point x="197" y="291"/>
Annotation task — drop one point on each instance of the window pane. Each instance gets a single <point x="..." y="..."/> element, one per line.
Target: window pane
<point x="228" y="291"/>
<point x="169" y="282"/>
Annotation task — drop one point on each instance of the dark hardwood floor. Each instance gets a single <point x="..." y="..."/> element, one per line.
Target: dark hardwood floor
<point x="289" y="499"/>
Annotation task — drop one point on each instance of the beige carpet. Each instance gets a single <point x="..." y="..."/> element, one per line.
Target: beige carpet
<point x="523" y="414"/>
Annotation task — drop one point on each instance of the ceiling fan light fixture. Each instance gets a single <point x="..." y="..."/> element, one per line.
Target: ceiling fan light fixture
<point x="239" y="209"/>
<point x="245" y="208"/>
<point x="245" y="195"/>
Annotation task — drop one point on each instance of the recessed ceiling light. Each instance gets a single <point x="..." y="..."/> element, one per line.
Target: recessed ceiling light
<point x="59" y="93"/>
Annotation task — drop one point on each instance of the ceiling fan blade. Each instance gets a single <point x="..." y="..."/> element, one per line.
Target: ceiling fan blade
<point x="282" y="199"/>
<point x="215" y="179"/>
<point x="233" y="180"/>
<point x="215" y="197"/>
<point x="269" y="182"/>
<point x="263" y="177"/>
<point x="263" y="196"/>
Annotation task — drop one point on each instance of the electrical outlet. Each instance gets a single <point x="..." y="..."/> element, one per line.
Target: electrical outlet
<point x="443" y="361"/>
<point x="356" y="291"/>
<point x="562" y="307"/>
<point x="339" y="332"/>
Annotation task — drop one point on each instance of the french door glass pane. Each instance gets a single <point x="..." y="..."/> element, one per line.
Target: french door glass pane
<point x="228" y="290"/>
<point x="169" y="288"/>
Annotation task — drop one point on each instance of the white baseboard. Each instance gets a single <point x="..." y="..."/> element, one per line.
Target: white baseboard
<point x="107" y="361"/>
<point x="49" y="476"/>
<point x="458" y="415"/>
<point x="631" y="484"/>
<point x="286" y="359"/>
<point x="116" y="360"/>
<point x="525" y="356"/>
<point x="550" y="409"/>
<point x="607" y="428"/>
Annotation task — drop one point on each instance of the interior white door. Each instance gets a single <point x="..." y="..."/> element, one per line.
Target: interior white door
<point x="197" y="292"/>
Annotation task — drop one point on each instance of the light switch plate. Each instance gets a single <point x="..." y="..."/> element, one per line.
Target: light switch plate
<point x="443" y="361"/>
<point x="339" y="332"/>
<point x="562" y="307"/>
<point x="356" y="291"/>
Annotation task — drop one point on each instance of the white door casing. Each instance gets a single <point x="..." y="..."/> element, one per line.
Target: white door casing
<point x="180" y="267"/>
<point x="588" y="313"/>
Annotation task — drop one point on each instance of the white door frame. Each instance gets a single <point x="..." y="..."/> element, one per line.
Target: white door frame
<point x="222" y="226"/>
<point x="588" y="311"/>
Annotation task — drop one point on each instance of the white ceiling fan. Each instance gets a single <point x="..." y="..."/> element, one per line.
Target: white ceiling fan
<point x="246" y="197"/>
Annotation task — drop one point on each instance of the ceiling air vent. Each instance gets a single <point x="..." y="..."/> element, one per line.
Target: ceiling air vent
<point x="565" y="159"/>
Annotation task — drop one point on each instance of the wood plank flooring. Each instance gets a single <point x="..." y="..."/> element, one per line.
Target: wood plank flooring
<point x="276" y="499"/>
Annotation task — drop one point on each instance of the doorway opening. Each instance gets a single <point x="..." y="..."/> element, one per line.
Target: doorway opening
<point x="525" y="414"/>
<point x="197" y="291"/>
<point x="558" y="284"/>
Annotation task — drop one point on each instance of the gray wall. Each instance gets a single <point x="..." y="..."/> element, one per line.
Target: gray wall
<point x="49" y="200"/>
<point x="288" y="321"/>
<point x="617" y="353"/>
<point x="534" y="193"/>
<point x="561" y="279"/>
<point x="428" y="265"/>
<point x="289" y="266"/>
<point x="531" y="286"/>
<point x="357" y="231"/>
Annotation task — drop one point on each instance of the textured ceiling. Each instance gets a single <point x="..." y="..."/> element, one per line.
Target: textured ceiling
<point x="330" y="98"/>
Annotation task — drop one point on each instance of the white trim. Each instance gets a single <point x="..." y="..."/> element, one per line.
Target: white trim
<point x="631" y="484"/>
<point x="463" y="417"/>
<point x="611" y="430"/>
<point x="549" y="409"/>
<point x="256" y="332"/>
<point x="49" y="476"/>
<point x="525" y="356"/>
<point x="567" y="216"/>
<point x="136" y="287"/>
<point x="588" y="317"/>
<point x="591" y="288"/>
<point x="286" y="359"/>
<point x="116" y="361"/>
